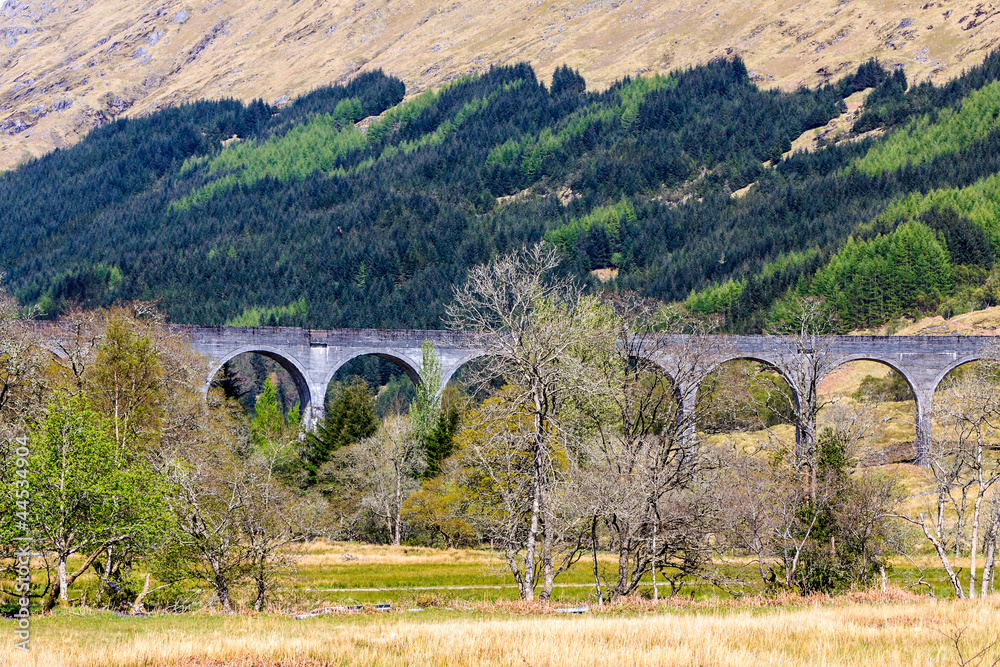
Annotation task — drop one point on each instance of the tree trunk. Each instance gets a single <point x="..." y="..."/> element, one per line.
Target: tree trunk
<point x="597" y="575"/>
<point x="990" y="541"/>
<point x="66" y="579"/>
<point x="974" y="546"/>
<point x="988" y="568"/>
<point x="137" y="606"/>
<point x="63" y="582"/>
<point x="656" y="592"/>
<point x="397" y="532"/>
<point x="548" y="567"/>
<point x="623" y="584"/>
<point x="258" y="603"/>
<point x="943" y="556"/>
<point x="528" y="585"/>
<point x="222" y="590"/>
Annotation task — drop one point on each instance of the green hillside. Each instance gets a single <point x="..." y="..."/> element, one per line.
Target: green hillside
<point x="353" y="207"/>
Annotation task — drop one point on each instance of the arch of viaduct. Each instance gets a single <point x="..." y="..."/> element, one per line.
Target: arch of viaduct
<point x="313" y="356"/>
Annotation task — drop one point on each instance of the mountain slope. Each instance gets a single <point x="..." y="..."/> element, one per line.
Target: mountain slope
<point x="350" y="207"/>
<point x="218" y="209"/>
<point x="67" y="66"/>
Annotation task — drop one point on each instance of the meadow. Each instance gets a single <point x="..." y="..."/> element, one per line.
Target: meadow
<point x="457" y="607"/>
<point x="896" y="629"/>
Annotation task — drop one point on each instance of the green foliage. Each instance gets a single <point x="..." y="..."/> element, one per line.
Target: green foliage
<point x="892" y="387"/>
<point x="314" y="146"/>
<point x="399" y="117"/>
<point x="979" y="203"/>
<point x="87" y="285"/>
<point x="87" y="489"/>
<point x="847" y="541"/>
<point x="268" y="422"/>
<point x="607" y="221"/>
<point x="273" y="316"/>
<point x="967" y="242"/>
<point x="126" y="383"/>
<point x="922" y="139"/>
<point x="440" y="442"/>
<point x="566" y="80"/>
<point x="775" y="276"/>
<point x="714" y="298"/>
<point x="381" y="222"/>
<point x="504" y="155"/>
<point x="350" y="417"/>
<point x="869" y="282"/>
<point x="425" y="410"/>
<point x="395" y="397"/>
<point x="894" y="103"/>
<point x="635" y="91"/>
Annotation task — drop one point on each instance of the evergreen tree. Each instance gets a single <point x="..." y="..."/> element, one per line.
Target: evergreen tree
<point x="350" y="417"/>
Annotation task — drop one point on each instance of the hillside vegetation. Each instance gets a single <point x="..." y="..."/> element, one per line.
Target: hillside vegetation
<point x="357" y="206"/>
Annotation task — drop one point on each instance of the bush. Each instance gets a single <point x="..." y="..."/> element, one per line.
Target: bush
<point x="893" y="387"/>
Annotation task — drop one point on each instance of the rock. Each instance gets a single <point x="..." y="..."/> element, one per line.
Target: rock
<point x="181" y="17"/>
<point x="13" y="126"/>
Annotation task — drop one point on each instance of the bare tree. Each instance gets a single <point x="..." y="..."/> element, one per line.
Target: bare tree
<point x="964" y="463"/>
<point x="22" y="362"/>
<point x="273" y="515"/>
<point x="759" y="514"/>
<point x="211" y="492"/>
<point x="386" y="467"/>
<point x="835" y="532"/>
<point x="536" y="328"/>
<point x="805" y="359"/>
<point x="496" y="451"/>
<point x="643" y="458"/>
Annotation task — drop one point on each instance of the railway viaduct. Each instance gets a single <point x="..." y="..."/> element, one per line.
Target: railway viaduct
<point x="312" y="357"/>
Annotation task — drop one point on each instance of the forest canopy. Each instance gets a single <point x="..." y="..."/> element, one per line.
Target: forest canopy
<point x="357" y="206"/>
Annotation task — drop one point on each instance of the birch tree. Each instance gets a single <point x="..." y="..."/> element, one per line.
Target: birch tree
<point x="644" y="457"/>
<point x="537" y="329"/>
<point x="88" y="494"/>
<point x="965" y="469"/>
<point x="385" y="468"/>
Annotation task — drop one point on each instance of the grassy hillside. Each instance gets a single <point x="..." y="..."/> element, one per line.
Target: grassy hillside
<point x="67" y="67"/>
<point x="357" y="206"/>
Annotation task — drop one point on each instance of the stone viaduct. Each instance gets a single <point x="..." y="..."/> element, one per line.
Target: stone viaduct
<point x="312" y="357"/>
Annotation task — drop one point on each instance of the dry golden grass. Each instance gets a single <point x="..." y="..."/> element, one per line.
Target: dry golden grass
<point x="323" y="552"/>
<point x="227" y="48"/>
<point x="824" y="632"/>
<point x="985" y="322"/>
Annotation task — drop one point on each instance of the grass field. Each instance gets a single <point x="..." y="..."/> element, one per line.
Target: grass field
<point x="330" y="574"/>
<point x="897" y="630"/>
<point x="456" y="607"/>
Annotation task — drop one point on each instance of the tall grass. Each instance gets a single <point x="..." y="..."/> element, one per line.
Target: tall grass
<point x="866" y="632"/>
